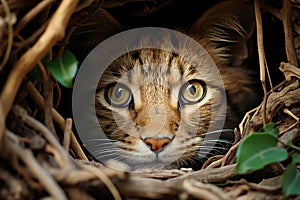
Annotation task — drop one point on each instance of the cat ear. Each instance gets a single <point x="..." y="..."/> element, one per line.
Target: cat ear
<point x="226" y="28"/>
<point x="93" y="30"/>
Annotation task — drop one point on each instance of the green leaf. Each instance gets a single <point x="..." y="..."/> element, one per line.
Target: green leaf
<point x="290" y="144"/>
<point x="296" y="157"/>
<point x="258" y="150"/>
<point x="271" y="130"/>
<point x="291" y="177"/>
<point x="64" y="69"/>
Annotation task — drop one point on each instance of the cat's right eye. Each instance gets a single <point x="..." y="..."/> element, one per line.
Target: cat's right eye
<point x="192" y="92"/>
<point x="118" y="95"/>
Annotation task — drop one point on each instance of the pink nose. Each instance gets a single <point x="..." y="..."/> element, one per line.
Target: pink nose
<point x="157" y="144"/>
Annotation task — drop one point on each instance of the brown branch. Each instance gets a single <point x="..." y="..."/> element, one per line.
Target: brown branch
<point x="261" y="53"/>
<point x="271" y="9"/>
<point x="58" y="94"/>
<point x="205" y="191"/>
<point x="38" y="126"/>
<point x="2" y="122"/>
<point x="9" y="16"/>
<point x="208" y="175"/>
<point x="33" y="166"/>
<point x="288" y="35"/>
<point x="32" y="14"/>
<point x="67" y="134"/>
<point x="48" y="94"/>
<point x="55" y="31"/>
<point x="30" y="40"/>
<point x="109" y="184"/>
<point x="38" y="99"/>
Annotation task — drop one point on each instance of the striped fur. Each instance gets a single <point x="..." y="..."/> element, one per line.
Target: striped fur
<point x="155" y="77"/>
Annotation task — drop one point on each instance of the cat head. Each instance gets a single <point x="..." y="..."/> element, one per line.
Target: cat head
<point x="156" y="108"/>
<point x="165" y="107"/>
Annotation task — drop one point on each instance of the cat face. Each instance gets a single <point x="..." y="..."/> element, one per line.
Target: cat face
<point x="156" y="108"/>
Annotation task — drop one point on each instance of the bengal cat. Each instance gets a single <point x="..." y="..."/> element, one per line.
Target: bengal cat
<point x="155" y="107"/>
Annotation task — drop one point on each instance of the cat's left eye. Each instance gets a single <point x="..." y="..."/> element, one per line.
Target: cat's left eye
<point x="192" y="92"/>
<point x="118" y="95"/>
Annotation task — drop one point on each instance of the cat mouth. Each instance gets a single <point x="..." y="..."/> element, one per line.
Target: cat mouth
<point x="170" y="156"/>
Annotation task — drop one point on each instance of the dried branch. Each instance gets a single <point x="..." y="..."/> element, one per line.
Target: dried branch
<point x="2" y="122"/>
<point x="112" y="188"/>
<point x="287" y="27"/>
<point x="54" y="32"/>
<point x="274" y="11"/>
<point x="32" y="165"/>
<point x="48" y="94"/>
<point x="9" y="21"/>
<point x="36" y="125"/>
<point x="208" y="175"/>
<point x="261" y="53"/>
<point x="205" y="191"/>
<point x="38" y="99"/>
<point x="32" y="14"/>
<point x="67" y="134"/>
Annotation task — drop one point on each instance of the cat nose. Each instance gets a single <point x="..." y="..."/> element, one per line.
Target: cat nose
<point x="156" y="143"/>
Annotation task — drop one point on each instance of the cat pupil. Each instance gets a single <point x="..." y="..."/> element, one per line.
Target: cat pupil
<point x="118" y="92"/>
<point x="192" y="89"/>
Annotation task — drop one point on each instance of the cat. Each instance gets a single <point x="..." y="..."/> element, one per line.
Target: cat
<point x="156" y="108"/>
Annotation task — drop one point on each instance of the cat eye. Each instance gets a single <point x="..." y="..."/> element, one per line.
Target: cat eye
<point x="192" y="92"/>
<point x="118" y="95"/>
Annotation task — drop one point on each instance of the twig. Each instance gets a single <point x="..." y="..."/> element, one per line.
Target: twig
<point x="112" y="188"/>
<point x="271" y="9"/>
<point x="66" y="41"/>
<point x="261" y="54"/>
<point x="32" y="14"/>
<point x="287" y="111"/>
<point x="247" y="116"/>
<point x="2" y="122"/>
<point x="204" y="191"/>
<point x="34" y="167"/>
<point x="55" y="31"/>
<point x="59" y="158"/>
<point x="38" y="126"/>
<point x="231" y="151"/>
<point x="212" y="162"/>
<point x="58" y="94"/>
<point x="67" y="134"/>
<point x="288" y="35"/>
<point x="207" y="175"/>
<point x="31" y="39"/>
<point x="38" y="99"/>
<point x="48" y="94"/>
<point x="9" y="21"/>
<point x="289" y="128"/>
<point x="216" y="163"/>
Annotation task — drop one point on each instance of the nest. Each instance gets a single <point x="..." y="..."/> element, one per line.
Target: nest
<point x="40" y="155"/>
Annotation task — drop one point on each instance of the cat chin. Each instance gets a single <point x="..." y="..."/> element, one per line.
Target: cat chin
<point x="136" y="164"/>
<point x="151" y="166"/>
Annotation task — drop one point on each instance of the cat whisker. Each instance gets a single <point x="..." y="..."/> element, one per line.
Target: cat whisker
<point x="218" y="131"/>
<point x="182" y="162"/>
<point x="106" y="155"/>
<point x="101" y="139"/>
<point x="216" y="141"/>
<point x="101" y="145"/>
<point x="213" y="148"/>
<point x="95" y="153"/>
<point x="106" y="149"/>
